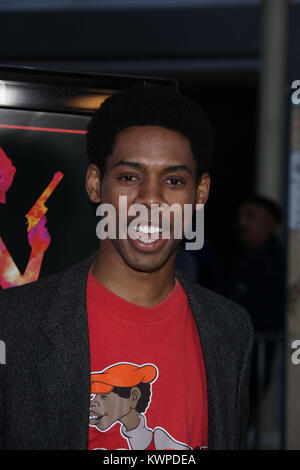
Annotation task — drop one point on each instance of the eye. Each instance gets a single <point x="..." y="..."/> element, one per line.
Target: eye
<point x="128" y="178"/>
<point x="175" y="181"/>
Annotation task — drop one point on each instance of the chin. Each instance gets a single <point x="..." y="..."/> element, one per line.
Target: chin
<point x="146" y="262"/>
<point x="103" y="426"/>
<point x="146" y="267"/>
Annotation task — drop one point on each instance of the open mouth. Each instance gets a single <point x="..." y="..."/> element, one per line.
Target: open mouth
<point x="145" y="233"/>
<point x="97" y="417"/>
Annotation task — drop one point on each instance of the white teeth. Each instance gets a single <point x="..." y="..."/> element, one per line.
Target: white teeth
<point x="147" y="240"/>
<point x="147" y="229"/>
<point x="143" y="230"/>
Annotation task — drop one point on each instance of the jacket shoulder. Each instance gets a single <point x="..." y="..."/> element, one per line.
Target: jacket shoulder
<point x="25" y="304"/>
<point x="222" y="315"/>
<point x="225" y="309"/>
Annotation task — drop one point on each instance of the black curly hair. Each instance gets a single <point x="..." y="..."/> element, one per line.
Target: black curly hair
<point x="149" y="105"/>
<point x="144" y="400"/>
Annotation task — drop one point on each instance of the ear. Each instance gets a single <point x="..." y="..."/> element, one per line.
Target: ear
<point x="135" y="395"/>
<point x="203" y="189"/>
<point x="93" y="182"/>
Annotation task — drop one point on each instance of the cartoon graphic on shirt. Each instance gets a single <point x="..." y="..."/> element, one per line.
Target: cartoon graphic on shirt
<point x="122" y="393"/>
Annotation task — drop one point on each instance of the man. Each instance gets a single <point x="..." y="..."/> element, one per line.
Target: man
<point x="256" y="281"/>
<point x="125" y="305"/>
<point x="256" y="278"/>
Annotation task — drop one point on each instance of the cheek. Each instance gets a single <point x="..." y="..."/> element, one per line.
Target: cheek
<point x="109" y="409"/>
<point x="185" y="195"/>
<point x="111" y="192"/>
<point x="119" y="409"/>
<point x="125" y="407"/>
<point x="107" y="190"/>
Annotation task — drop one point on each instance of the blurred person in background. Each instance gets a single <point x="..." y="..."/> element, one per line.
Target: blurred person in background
<point x="256" y="278"/>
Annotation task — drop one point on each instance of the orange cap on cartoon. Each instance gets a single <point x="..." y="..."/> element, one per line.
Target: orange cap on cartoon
<point x="121" y="375"/>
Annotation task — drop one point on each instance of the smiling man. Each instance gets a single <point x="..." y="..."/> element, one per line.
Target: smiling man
<point x="149" y="165"/>
<point x="125" y="305"/>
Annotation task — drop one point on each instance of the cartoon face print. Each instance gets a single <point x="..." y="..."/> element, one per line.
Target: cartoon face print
<point x="119" y="393"/>
<point x="107" y="409"/>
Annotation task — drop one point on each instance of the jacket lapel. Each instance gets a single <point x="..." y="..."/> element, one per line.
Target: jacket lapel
<point x="218" y="358"/>
<point x="65" y="369"/>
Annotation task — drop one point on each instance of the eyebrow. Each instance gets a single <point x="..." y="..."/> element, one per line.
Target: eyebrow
<point x="165" y="170"/>
<point x="128" y="163"/>
<point x="178" y="168"/>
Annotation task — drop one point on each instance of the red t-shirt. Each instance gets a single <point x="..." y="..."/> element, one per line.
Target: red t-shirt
<point x="148" y="383"/>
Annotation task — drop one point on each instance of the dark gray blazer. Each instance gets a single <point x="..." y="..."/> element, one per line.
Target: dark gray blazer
<point x="45" y="383"/>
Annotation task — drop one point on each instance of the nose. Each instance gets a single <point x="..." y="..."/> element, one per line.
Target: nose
<point x="95" y="404"/>
<point x="151" y="192"/>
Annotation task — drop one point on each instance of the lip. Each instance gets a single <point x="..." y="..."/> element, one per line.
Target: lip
<point x="96" y="417"/>
<point x="148" y="247"/>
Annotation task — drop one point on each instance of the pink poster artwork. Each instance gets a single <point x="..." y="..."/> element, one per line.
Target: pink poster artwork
<point x="39" y="238"/>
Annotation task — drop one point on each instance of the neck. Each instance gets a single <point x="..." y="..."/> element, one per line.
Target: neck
<point x="131" y="420"/>
<point x="141" y="288"/>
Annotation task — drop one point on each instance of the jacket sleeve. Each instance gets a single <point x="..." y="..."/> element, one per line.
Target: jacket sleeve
<point x="2" y="410"/>
<point x="3" y="369"/>
<point x="244" y="388"/>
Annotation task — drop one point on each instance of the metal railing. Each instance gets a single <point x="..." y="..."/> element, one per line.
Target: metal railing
<point x="268" y="368"/>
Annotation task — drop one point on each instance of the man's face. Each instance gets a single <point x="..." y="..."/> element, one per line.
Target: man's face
<point x="107" y="409"/>
<point x="149" y="165"/>
<point x="255" y="224"/>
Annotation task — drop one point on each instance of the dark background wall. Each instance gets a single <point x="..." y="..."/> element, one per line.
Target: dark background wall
<point x="213" y="52"/>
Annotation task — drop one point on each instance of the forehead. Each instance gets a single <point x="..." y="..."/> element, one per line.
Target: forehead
<point x="152" y="146"/>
